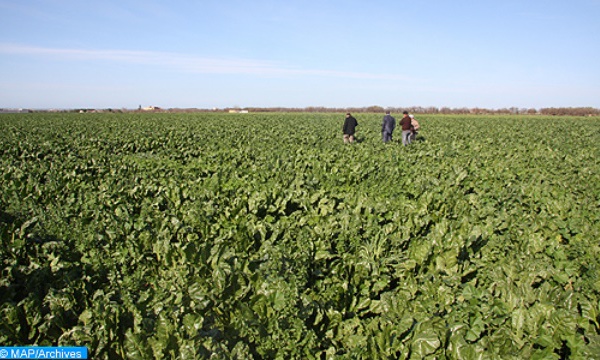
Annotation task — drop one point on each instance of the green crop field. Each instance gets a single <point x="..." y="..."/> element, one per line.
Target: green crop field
<point x="240" y="236"/>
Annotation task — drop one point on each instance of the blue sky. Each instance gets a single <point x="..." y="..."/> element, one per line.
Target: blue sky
<point x="293" y="53"/>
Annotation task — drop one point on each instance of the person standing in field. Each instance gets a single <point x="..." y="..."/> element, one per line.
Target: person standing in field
<point x="406" y="129"/>
<point x="388" y="126"/>
<point x="415" y="127"/>
<point x="349" y="128"/>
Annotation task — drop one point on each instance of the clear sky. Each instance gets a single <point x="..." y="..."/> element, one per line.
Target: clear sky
<point x="294" y="53"/>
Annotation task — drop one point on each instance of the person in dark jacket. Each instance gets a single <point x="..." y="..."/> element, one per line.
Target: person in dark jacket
<point x="349" y="128"/>
<point x="406" y="129"/>
<point x="388" y="126"/>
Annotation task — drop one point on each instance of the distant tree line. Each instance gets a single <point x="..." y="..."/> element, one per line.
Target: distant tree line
<point x="570" y="111"/>
<point x="558" y="111"/>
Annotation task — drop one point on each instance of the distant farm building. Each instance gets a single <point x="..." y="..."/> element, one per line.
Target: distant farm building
<point x="149" y="108"/>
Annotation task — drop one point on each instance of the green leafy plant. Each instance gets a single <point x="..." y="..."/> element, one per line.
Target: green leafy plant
<point x="230" y="236"/>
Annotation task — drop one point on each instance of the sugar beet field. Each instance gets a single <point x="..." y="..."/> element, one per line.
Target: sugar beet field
<point x="263" y="236"/>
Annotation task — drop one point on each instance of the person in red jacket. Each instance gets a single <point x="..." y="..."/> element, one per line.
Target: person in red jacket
<point x="406" y="129"/>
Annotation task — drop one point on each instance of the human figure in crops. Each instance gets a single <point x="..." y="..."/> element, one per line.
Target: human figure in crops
<point x="349" y="128"/>
<point x="406" y="129"/>
<point x="415" y="127"/>
<point x="388" y="126"/>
